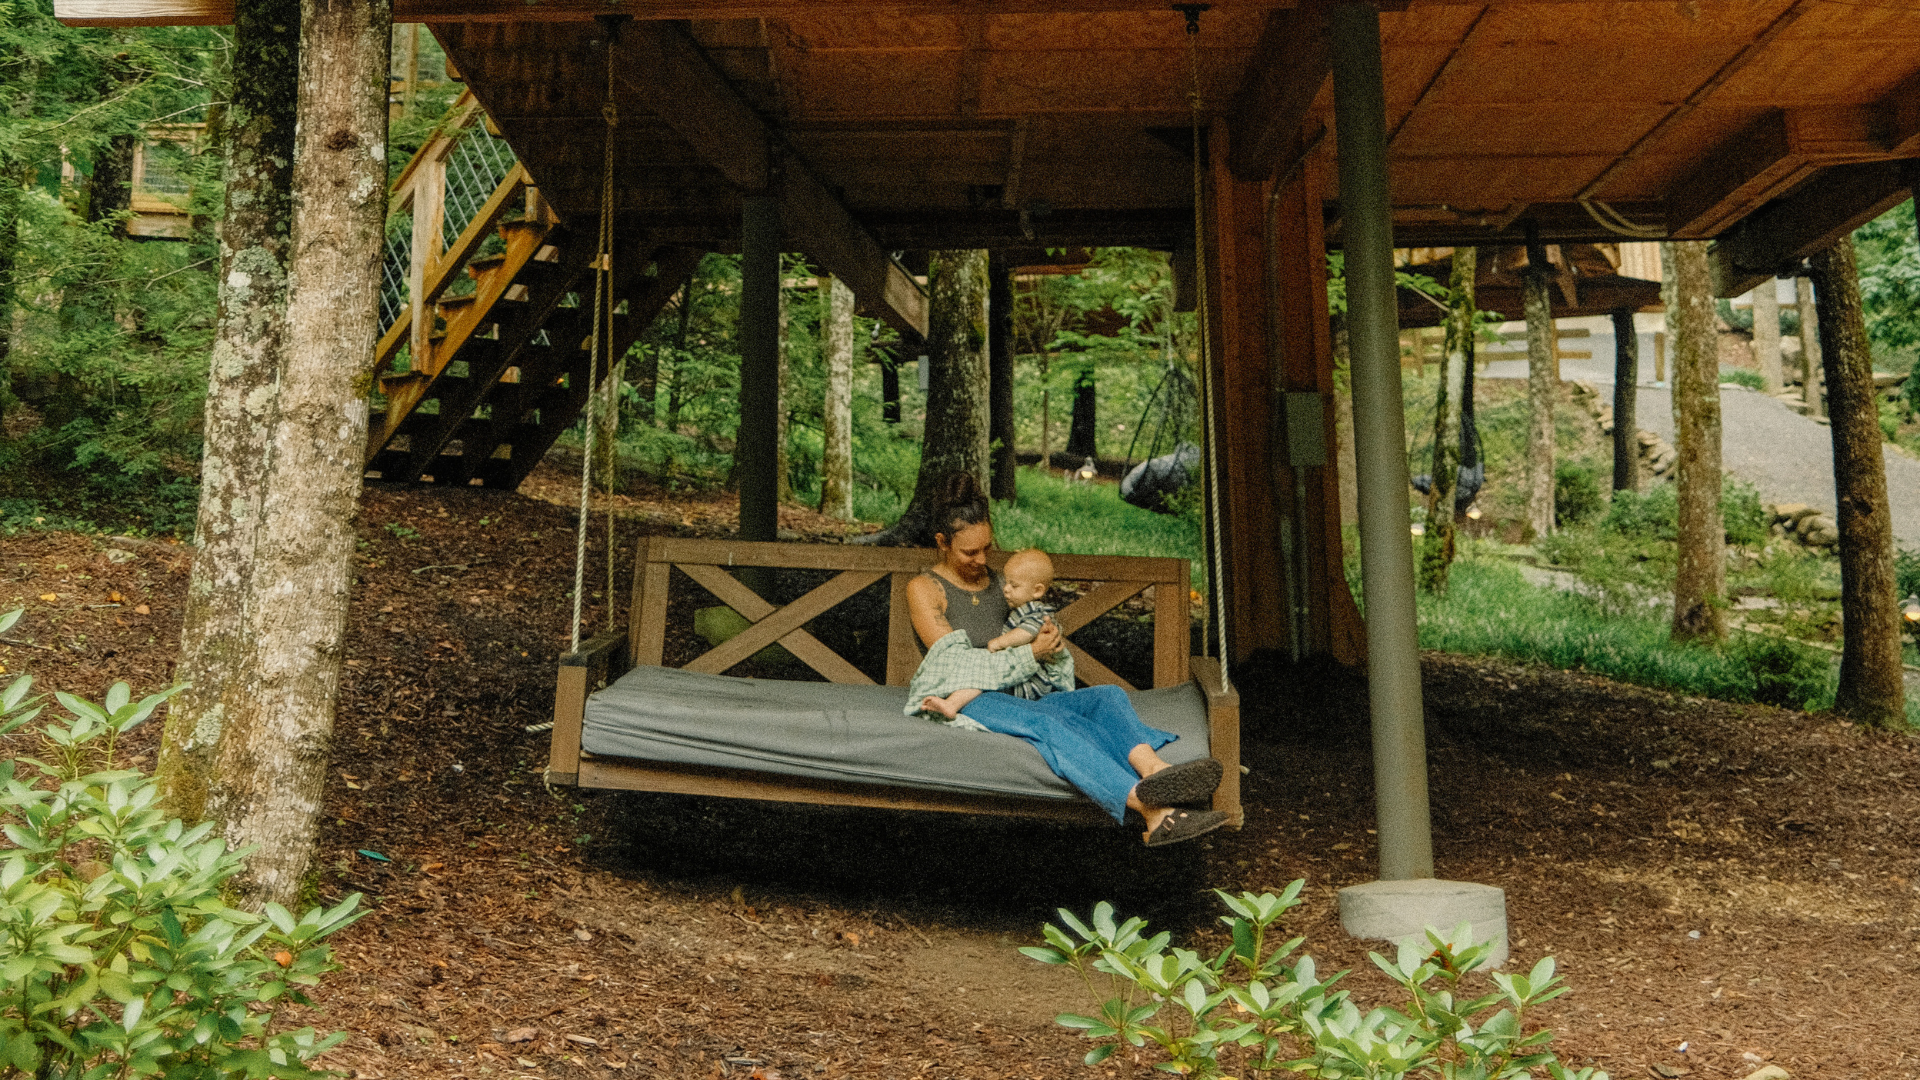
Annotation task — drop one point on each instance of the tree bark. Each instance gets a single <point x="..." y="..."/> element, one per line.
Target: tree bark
<point x="271" y="766"/>
<point x="756" y="453"/>
<point x="1082" y="435"/>
<point x="1543" y="391"/>
<point x="1626" y="397"/>
<point x="216" y="647"/>
<point x="1000" y="365"/>
<point x="890" y="386"/>
<point x="1700" y="579"/>
<point x="782" y="474"/>
<point x="1456" y="356"/>
<point x="1809" y="345"/>
<point x="1766" y="334"/>
<point x="957" y="415"/>
<point x="836" y="455"/>
<point x="10" y="193"/>
<point x="1872" y="688"/>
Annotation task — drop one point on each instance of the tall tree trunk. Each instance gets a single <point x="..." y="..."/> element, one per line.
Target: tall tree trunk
<point x="890" y="386"/>
<point x="1543" y="391"/>
<point x="10" y="194"/>
<point x="782" y="474"/>
<point x="836" y="454"/>
<point x="1626" y="399"/>
<point x="271" y="766"/>
<point x="1766" y="334"/>
<point x="676" y="389"/>
<point x="956" y="427"/>
<point x="756" y="453"/>
<point x="1700" y="578"/>
<point x="1083" y="436"/>
<point x="1000" y="363"/>
<point x="216" y="645"/>
<point x="1436" y="548"/>
<point x="1872" y="688"/>
<point x="1809" y="344"/>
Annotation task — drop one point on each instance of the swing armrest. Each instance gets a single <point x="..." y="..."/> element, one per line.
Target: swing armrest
<point x="600" y="660"/>
<point x="1223" y="735"/>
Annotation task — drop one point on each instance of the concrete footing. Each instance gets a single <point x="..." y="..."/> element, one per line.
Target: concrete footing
<point x="1398" y="910"/>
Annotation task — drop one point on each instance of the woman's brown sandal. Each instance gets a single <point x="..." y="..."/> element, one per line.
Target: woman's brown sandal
<point x="1185" y="825"/>
<point x="1176" y="785"/>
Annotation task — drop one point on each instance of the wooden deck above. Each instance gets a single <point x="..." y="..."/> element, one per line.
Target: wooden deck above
<point x="1064" y="122"/>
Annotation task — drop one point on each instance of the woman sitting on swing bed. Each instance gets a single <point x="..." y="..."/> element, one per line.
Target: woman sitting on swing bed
<point x="1092" y="738"/>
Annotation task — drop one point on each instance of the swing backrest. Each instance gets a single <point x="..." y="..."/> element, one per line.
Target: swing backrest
<point x="1119" y="578"/>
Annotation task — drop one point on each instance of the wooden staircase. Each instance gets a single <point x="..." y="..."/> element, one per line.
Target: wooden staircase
<point x="493" y="376"/>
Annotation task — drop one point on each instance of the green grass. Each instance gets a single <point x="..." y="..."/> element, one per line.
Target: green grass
<point x="1089" y="519"/>
<point x="1490" y="609"/>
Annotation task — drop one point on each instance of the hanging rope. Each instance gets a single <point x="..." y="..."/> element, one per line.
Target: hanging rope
<point x="611" y="473"/>
<point x="602" y="323"/>
<point x="1209" y="437"/>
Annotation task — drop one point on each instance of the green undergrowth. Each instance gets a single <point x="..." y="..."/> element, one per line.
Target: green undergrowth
<point x="1491" y="609"/>
<point x="1089" y="519"/>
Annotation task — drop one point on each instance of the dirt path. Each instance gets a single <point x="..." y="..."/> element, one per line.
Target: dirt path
<point x="524" y="932"/>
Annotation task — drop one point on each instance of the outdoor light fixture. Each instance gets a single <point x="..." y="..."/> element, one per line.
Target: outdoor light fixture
<point x="1911" y="609"/>
<point x="1419" y="529"/>
<point x="1473" y="513"/>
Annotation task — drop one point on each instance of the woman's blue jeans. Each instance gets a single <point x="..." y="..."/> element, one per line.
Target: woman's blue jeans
<point x="1084" y="735"/>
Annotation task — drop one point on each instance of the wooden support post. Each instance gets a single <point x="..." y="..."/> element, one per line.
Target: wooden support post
<point x="1304" y="447"/>
<point x="429" y="203"/>
<point x="1809" y="344"/>
<point x="1766" y="334"/>
<point x="1660" y="356"/>
<point x="755" y="451"/>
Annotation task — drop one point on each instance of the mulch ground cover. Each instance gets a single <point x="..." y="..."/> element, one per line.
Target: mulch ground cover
<point x="1734" y="879"/>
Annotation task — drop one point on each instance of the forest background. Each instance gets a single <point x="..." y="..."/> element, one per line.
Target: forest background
<point x="104" y="336"/>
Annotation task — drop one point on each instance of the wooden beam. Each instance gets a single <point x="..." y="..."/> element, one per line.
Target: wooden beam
<point x="1291" y="62"/>
<point x="1770" y="156"/>
<point x="220" y="12"/>
<point x="1808" y="219"/>
<point x="664" y="64"/>
<point x="1684" y="109"/>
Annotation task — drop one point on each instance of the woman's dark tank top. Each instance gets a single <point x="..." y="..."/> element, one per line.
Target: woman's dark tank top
<point x="983" y="621"/>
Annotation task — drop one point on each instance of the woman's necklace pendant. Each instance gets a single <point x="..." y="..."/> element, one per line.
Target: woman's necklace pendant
<point x="976" y="599"/>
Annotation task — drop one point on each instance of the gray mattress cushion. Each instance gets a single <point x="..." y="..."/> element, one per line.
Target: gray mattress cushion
<point x="830" y="731"/>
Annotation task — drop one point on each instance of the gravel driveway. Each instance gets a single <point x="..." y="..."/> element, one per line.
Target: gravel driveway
<point x="1786" y="455"/>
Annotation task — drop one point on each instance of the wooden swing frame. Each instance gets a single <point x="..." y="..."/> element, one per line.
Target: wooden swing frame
<point x="603" y="659"/>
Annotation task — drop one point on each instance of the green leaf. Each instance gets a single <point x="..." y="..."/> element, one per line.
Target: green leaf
<point x="1044" y="955"/>
<point x="1073" y="1020"/>
<point x="117" y="697"/>
<point x="6" y="624"/>
<point x="1099" y="1054"/>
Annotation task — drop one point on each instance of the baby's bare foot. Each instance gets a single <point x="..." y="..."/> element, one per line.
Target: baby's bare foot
<point x="941" y="706"/>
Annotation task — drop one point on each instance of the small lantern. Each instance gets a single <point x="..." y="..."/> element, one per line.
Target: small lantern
<point x="1911" y="610"/>
<point x="1473" y="512"/>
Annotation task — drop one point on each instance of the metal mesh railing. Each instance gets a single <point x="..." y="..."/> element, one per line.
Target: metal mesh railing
<point x="395" y="262"/>
<point x="474" y="170"/>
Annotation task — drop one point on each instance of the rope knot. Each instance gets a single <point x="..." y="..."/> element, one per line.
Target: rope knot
<point x="610" y="114"/>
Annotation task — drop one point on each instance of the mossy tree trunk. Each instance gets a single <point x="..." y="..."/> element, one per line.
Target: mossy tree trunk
<point x="1700" y="576"/>
<point x="1543" y="391"/>
<point x="1436" y="548"/>
<point x="836" y="453"/>
<point x="1872" y="688"/>
<point x="957" y="411"/>
<point x="242" y="377"/>
<point x="270" y="771"/>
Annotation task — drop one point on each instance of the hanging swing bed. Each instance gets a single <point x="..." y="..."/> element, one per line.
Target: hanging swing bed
<point x="623" y="720"/>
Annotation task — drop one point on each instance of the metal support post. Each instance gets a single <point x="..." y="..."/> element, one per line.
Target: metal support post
<point x="1379" y="420"/>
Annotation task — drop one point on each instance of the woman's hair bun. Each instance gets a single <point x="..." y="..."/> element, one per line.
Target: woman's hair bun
<point x="960" y="503"/>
